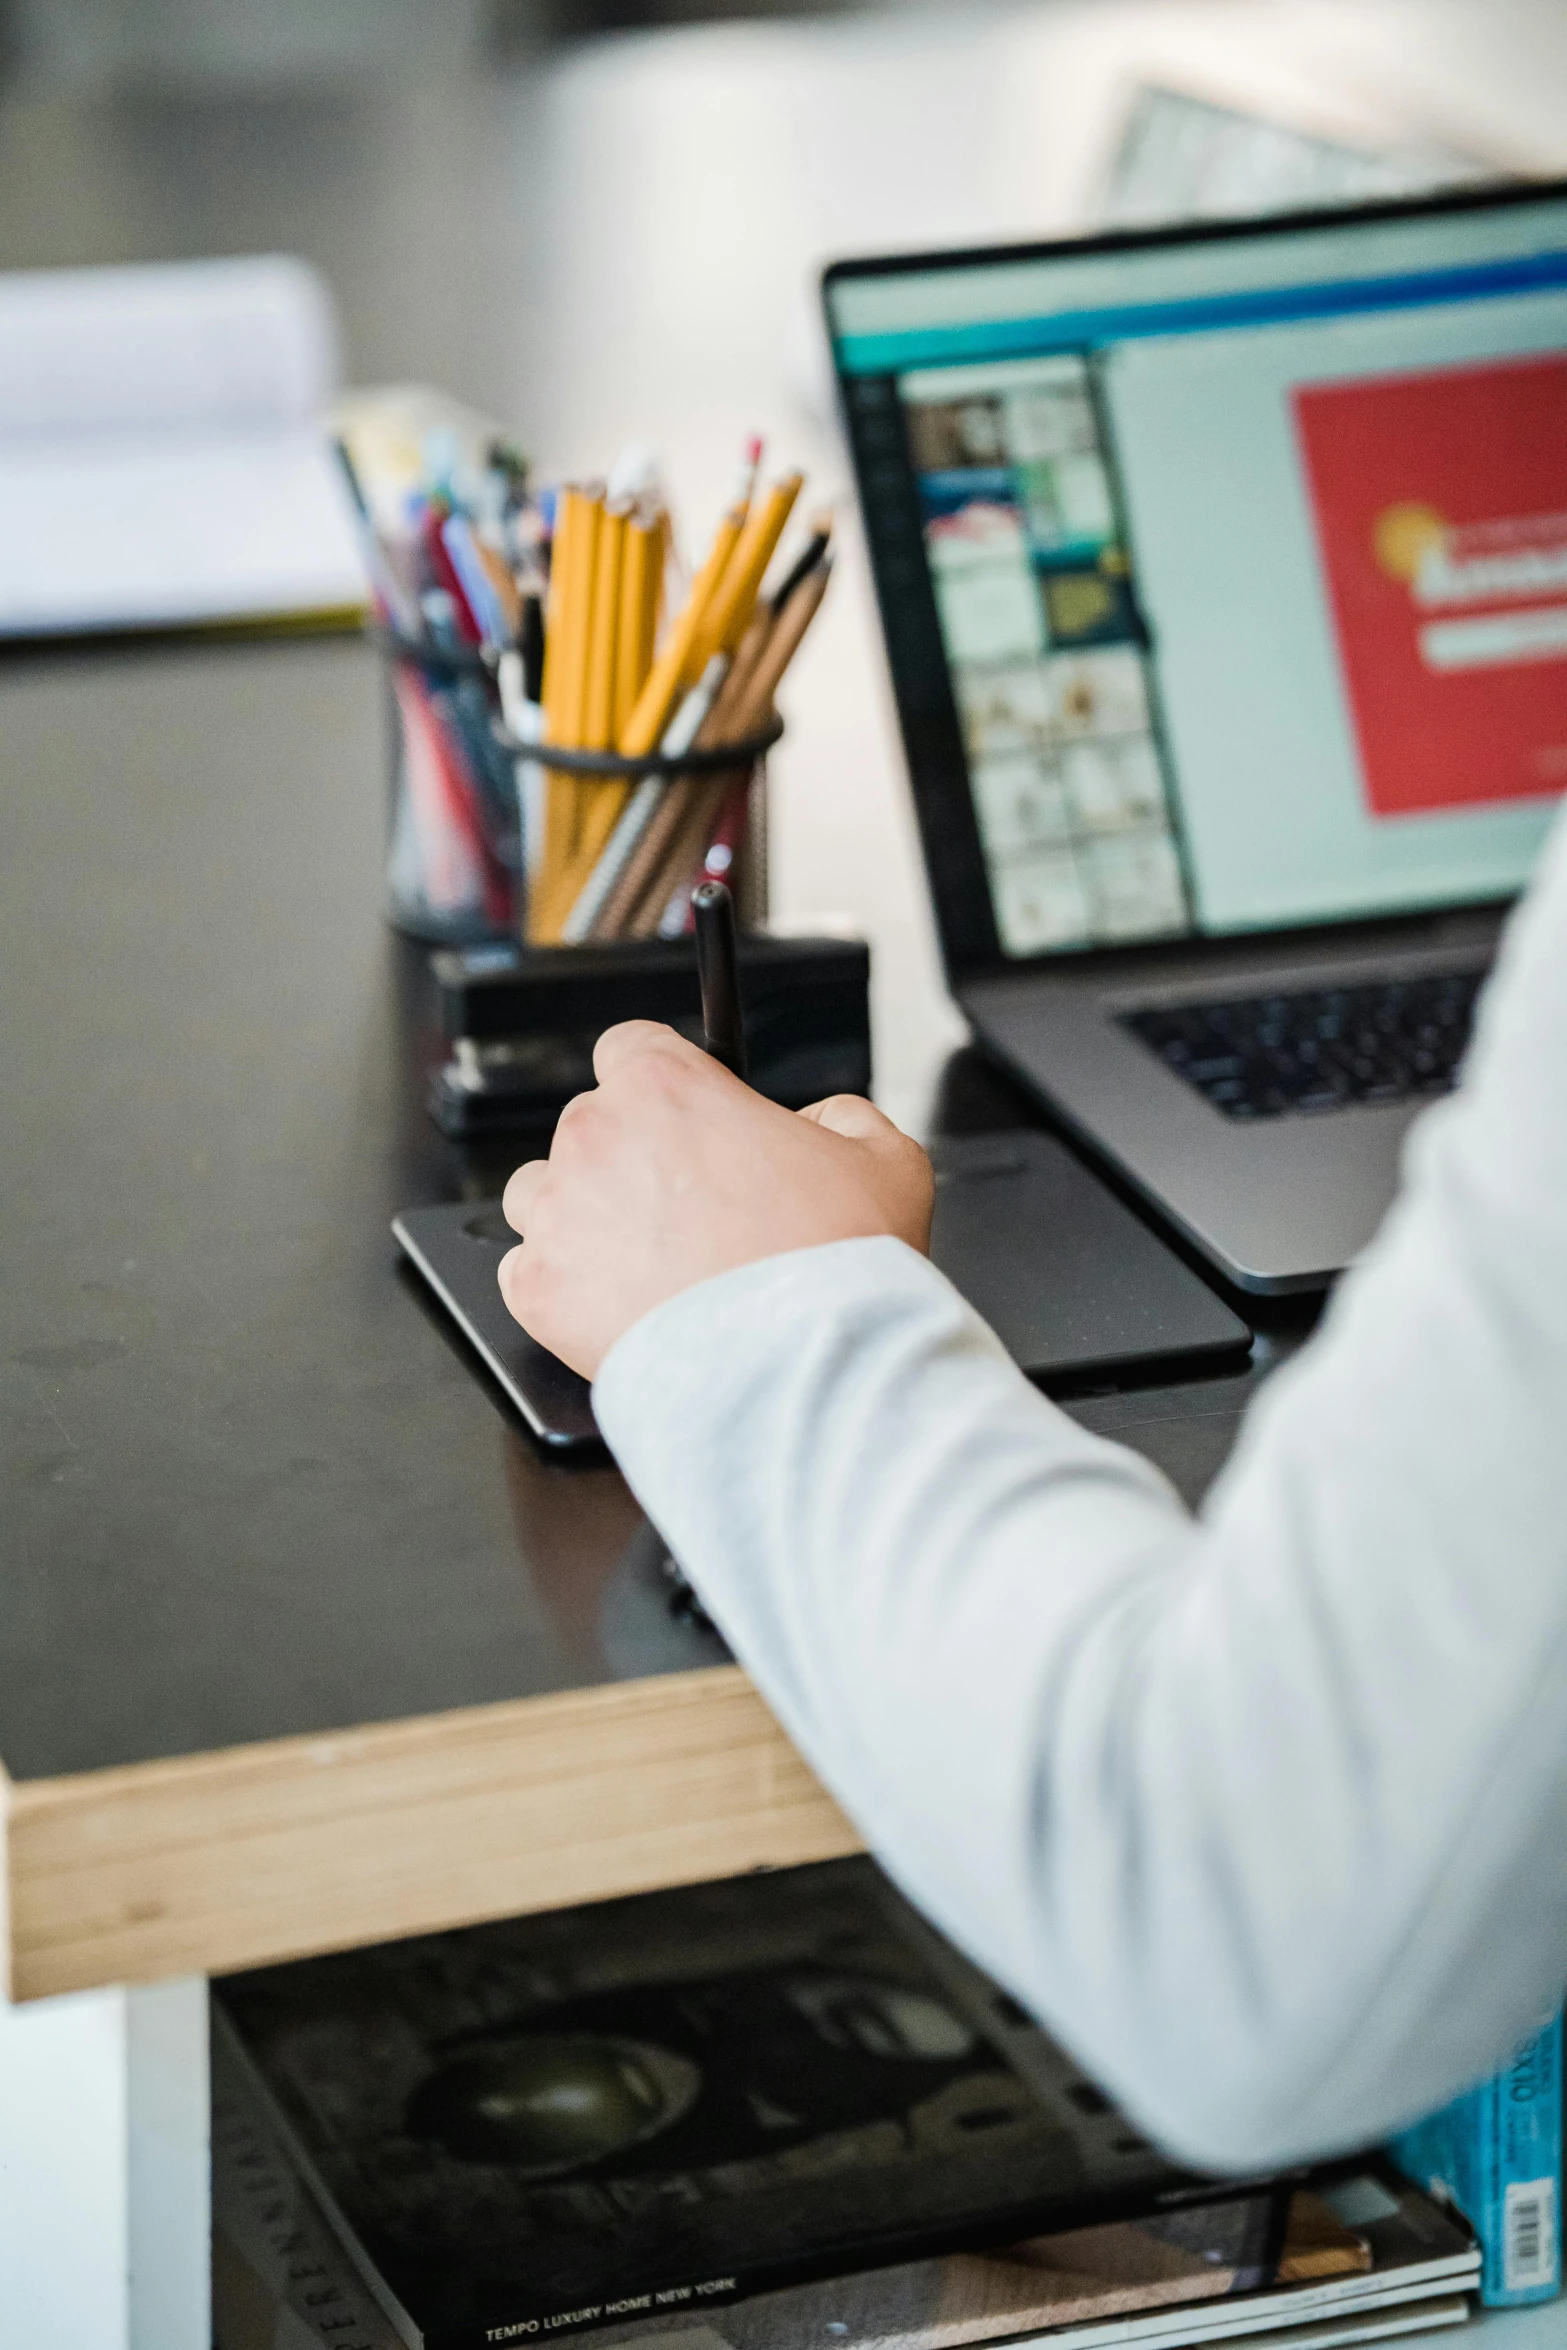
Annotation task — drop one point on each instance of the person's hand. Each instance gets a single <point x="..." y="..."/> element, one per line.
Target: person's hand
<point x="671" y="1170"/>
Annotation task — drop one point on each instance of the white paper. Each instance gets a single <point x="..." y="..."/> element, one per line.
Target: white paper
<point x="184" y="343"/>
<point x="163" y="453"/>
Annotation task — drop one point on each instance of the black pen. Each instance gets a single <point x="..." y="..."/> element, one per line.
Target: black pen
<point x="800" y="570"/>
<point x="723" y="1025"/>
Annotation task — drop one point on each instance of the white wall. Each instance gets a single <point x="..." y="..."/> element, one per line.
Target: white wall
<point x="684" y="188"/>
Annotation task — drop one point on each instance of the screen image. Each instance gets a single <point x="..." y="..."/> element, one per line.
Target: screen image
<point x="1247" y="560"/>
<point x="1440" y="507"/>
<point x="1033" y="587"/>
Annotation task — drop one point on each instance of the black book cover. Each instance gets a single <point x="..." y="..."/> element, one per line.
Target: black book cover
<point x="563" y="2122"/>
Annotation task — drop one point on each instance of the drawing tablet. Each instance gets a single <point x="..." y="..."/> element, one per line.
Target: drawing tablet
<point x="458" y="1250"/>
<point x="1078" y="1290"/>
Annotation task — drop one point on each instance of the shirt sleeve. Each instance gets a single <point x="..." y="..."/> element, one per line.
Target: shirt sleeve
<point x="1264" y="1813"/>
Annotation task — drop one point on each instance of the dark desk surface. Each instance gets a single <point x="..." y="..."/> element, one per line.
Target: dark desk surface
<point x="251" y="1491"/>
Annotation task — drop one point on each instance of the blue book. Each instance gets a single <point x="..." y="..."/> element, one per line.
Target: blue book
<point x="1496" y="2152"/>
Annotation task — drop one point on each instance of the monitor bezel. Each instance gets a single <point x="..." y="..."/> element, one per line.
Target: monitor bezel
<point x="943" y="803"/>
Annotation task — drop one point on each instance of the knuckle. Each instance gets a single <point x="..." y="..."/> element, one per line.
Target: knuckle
<point x="575" y="1129"/>
<point x="628" y="1040"/>
<point x="658" y="1080"/>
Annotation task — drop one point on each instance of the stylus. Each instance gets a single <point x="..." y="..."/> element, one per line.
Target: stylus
<point x="723" y="1028"/>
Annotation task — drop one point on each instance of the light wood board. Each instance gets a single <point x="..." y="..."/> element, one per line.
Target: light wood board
<point x="211" y="1862"/>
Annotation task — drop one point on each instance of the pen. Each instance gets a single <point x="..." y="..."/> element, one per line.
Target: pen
<point x="385" y="584"/>
<point x="530" y="644"/>
<point x="723" y="1027"/>
<point x="810" y="555"/>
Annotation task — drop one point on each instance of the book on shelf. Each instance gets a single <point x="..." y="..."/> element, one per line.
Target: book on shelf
<point x="738" y="2117"/>
<point x="1495" y="2153"/>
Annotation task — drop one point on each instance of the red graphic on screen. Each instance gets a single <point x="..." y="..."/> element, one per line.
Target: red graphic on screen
<point x="1440" y="503"/>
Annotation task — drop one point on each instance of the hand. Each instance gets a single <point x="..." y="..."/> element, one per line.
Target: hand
<point x="671" y="1171"/>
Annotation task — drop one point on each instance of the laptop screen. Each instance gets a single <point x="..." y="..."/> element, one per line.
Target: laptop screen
<point x="1224" y="574"/>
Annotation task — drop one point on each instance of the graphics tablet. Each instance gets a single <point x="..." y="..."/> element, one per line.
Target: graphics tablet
<point x="1078" y="1290"/>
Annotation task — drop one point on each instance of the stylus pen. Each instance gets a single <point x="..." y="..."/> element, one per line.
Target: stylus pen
<point x="723" y="1028"/>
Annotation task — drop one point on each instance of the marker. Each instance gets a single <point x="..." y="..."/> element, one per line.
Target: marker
<point x="723" y="1028"/>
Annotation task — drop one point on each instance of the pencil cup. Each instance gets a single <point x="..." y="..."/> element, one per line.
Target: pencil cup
<point x="614" y="846"/>
<point x="455" y="855"/>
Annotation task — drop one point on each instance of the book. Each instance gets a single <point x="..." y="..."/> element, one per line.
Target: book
<point x="282" y="2280"/>
<point x="163" y="449"/>
<point x="1495" y="2153"/>
<point x="672" y="2101"/>
<point x="1209" y="2274"/>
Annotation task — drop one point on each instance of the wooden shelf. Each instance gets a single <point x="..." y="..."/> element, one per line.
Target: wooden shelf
<point x="218" y="1861"/>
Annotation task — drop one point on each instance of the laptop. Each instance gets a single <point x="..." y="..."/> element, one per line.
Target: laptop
<point x="1223" y="575"/>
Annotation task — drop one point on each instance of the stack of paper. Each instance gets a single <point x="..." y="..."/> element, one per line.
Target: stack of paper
<point x="163" y="452"/>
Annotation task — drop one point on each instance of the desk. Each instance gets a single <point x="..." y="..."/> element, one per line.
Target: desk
<point x="303" y="1644"/>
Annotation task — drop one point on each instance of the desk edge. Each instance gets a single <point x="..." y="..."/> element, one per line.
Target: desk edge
<point x="209" y="1862"/>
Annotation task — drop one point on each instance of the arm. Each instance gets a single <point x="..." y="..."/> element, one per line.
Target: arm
<point x="1264" y="1814"/>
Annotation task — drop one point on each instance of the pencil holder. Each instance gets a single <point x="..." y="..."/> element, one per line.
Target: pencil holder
<point x="455" y="853"/>
<point x="614" y="845"/>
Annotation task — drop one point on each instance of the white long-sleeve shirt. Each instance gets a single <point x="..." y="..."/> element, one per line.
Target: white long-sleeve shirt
<point x="1263" y="1813"/>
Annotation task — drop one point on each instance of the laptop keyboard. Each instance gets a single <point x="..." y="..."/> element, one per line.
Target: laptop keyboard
<point x="1325" y="1048"/>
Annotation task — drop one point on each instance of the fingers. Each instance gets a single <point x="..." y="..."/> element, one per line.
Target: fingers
<point x="520" y="1193"/>
<point x="903" y="1180"/>
<point x="509" y="1273"/>
<point x="629" y="1039"/>
<point x="851" y="1114"/>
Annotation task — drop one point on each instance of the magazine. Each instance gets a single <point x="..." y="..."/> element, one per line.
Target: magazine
<point x="282" y="2280"/>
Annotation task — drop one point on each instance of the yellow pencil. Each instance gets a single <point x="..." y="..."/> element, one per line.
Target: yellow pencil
<point x="729" y="613"/>
<point x="595" y="802"/>
<point x="570" y="604"/>
<point x="640" y="573"/>
<point x="598" y="711"/>
<point x="666" y="541"/>
<point x="555" y="611"/>
<point x="565" y="680"/>
<point x="602" y="804"/>
<point x="579" y="617"/>
<point x="673" y="671"/>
